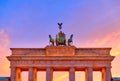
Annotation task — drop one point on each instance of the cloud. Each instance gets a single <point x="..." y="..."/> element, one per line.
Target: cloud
<point x="108" y="40"/>
<point x="116" y="66"/>
<point x="4" y="51"/>
<point x="114" y="42"/>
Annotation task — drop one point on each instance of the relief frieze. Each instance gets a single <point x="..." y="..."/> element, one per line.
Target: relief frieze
<point x="59" y="63"/>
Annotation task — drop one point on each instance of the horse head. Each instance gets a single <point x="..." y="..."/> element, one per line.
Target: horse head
<point x="50" y="36"/>
<point x="71" y="36"/>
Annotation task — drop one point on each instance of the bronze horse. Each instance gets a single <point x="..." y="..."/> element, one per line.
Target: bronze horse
<point x="51" y="40"/>
<point x="70" y="40"/>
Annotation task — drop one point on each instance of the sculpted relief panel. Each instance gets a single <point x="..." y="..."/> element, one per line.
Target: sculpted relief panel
<point x="59" y="63"/>
<point x="60" y="51"/>
<point x="28" y="51"/>
<point x="93" y="51"/>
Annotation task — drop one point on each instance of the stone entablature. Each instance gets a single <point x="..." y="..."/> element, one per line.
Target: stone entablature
<point x="61" y="62"/>
<point x="61" y="51"/>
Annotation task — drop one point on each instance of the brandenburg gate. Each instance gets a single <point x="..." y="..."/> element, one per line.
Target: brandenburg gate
<point x="60" y="57"/>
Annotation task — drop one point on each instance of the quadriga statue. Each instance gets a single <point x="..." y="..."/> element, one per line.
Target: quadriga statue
<point x="60" y="39"/>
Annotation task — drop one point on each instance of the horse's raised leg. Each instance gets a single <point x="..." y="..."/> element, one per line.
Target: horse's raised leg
<point x="53" y="43"/>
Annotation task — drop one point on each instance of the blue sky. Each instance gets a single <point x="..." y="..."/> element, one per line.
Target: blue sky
<point x="27" y="24"/>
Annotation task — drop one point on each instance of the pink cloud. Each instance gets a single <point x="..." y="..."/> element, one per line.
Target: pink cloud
<point x="4" y="51"/>
<point x="108" y="40"/>
<point x="116" y="66"/>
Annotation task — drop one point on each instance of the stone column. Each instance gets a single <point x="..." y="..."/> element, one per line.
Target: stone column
<point x="18" y="70"/>
<point x="106" y="74"/>
<point x="72" y="74"/>
<point x="32" y="74"/>
<point x="49" y="74"/>
<point x="13" y="75"/>
<point x="89" y="74"/>
<point x="35" y="74"/>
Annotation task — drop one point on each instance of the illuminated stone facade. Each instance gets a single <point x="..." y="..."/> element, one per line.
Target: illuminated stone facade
<point x="60" y="58"/>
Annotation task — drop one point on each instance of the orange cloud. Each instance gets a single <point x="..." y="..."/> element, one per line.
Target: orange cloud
<point x="109" y="40"/>
<point x="116" y="66"/>
<point x="4" y="51"/>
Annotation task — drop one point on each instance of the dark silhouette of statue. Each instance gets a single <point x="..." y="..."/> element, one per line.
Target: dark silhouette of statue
<point x="70" y="40"/>
<point x="60" y="37"/>
<point x="51" y="40"/>
<point x="60" y="25"/>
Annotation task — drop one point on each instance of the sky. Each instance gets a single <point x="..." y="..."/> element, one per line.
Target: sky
<point x="27" y="24"/>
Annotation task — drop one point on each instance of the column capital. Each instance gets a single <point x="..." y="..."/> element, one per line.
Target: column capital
<point x="48" y="67"/>
<point x="13" y="67"/>
<point x="107" y="67"/>
<point x="89" y="67"/>
<point x="31" y="67"/>
<point x="72" y="68"/>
